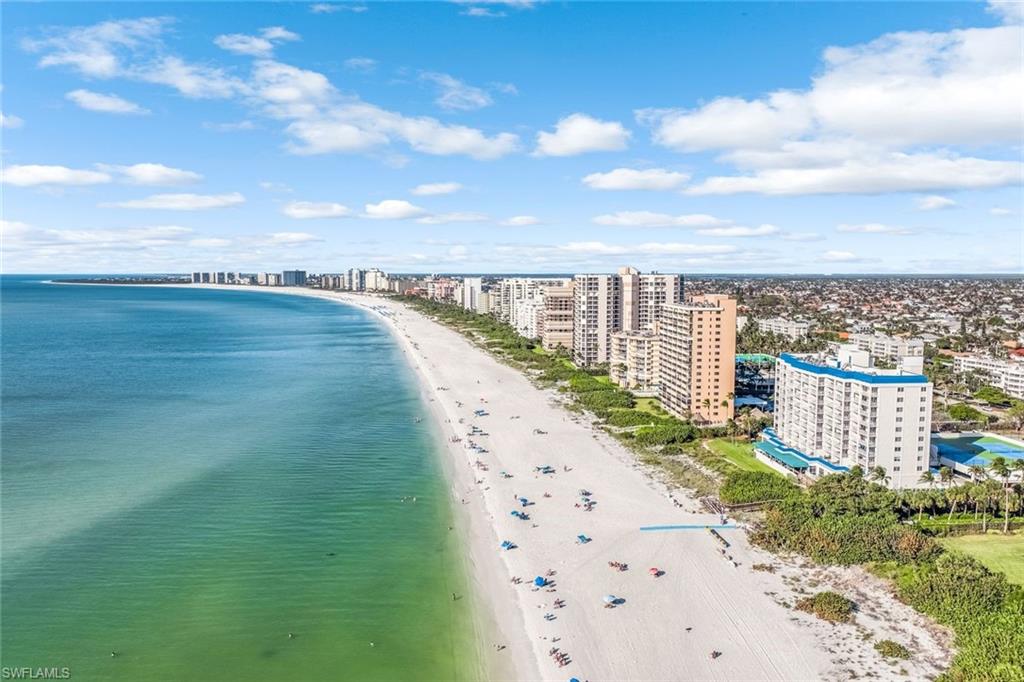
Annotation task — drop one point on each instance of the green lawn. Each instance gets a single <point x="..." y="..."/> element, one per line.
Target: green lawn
<point x="999" y="552"/>
<point x="740" y="454"/>
<point x="650" y="405"/>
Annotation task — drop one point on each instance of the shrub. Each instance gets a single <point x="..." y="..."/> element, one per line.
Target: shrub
<point x="604" y="399"/>
<point x="580" y="382"/>
<point x="741" y="487"/>
<point x="828" y="606"/>
<point x="956" y="589"/>
<point x="631" y="418"/>
<point x="891" y="649"/>
<point x="663" y="434"/>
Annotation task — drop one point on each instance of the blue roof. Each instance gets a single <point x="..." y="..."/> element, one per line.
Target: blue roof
<point x="778" y="454"/>
<point x="769" y="436"/>
<point x="796" y="362"/>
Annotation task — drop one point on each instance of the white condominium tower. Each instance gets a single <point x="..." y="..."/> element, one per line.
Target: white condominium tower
<point x="555" y="320"/>
<point x="834" y="412"/>
<point x="515" y="289"/>
<point x="626" y="301"/>
<point x="697" y="358"/>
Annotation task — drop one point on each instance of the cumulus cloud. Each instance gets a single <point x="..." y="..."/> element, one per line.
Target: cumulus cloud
<point x="629" y="178"/>
<point x="652" y="219"/>
<point x="455" y="95"/>
<point x="934" y="202"/>
<point x="882" y="116"/>
<point x="32" y="175"/>
<point x="579" y="134"/>
<point x="874" y="228"/>
<point x="181" y="202"/>
<point x="332" y="7"/>
<point x="106" y="103"/>
<point x="1000" y="212"/>
<point x="393" y="209"/>
<point x="434" y="188"/>
<point x="255" y="46"/>
<point x="521" y="221"/>
<point x="304" y="210"/>
<point x="10" y="121"/>
<point x="152" y="174"/>
<point x="290" y="238"/>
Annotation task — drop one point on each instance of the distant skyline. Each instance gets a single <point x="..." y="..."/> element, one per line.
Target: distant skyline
<point x="510" y="137"/>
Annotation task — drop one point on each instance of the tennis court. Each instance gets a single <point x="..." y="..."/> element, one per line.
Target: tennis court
<point x="970" y="449"/>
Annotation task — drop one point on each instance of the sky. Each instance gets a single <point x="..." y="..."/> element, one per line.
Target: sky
<point x="513" y="137"/>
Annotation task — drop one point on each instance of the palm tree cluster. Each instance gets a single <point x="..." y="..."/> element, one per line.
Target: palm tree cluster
<point x="990" y="490"/>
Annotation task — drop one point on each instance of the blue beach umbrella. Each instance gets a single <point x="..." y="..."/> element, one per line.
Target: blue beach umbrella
<point x="539" y="582"/>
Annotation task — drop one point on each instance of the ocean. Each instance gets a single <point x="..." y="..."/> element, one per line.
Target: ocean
<point x="208" y="485"/>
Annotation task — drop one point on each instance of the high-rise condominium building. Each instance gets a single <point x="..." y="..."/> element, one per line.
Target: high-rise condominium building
<point x="555" y="320"/>
<point x="514" y="289"/>
<point x="836" y="411"/>
<point x="697" y="358"/>
<point x="294" y="278"/>
<point x="626" y="301"/>
<point x="472" y="287"/>
<point x="634" y="360"/>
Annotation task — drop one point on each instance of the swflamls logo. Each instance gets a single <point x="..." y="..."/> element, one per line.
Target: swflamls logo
<point x="25" y="673"/>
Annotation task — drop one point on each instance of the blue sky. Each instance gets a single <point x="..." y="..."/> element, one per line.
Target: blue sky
<point x="513" y="137"/>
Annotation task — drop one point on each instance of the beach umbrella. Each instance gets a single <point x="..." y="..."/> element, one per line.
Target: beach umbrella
<point x="654" y="571"/>
<point x="610" y="599"/>
<point x="539" y="581"/>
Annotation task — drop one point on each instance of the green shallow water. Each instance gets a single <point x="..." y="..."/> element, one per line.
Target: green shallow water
<point x="189" y="476"/>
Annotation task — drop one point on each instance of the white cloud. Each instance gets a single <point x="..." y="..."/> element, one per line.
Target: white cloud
<point x="648" y="248"/>
<point x="332" y="7"/>
<point x="454" y="95"/>
<point x="652" y="219"/>
<point x="255" y="46"/>
<point x="482" y="12"/>
<point x="291" y="238"/>
<point x="455" y="217"/>
<point x="195" y="81"/>
<point x="93" y="50"/>
<point x="892" y="172"/>
<point x="252" y="46"/>
<point x="1000" y="212"/>
<point x="10" y="121"/>
<point x="629" y="178"/>
<point x="209" y="242"/>
<point x="521" y="221"/>
<point x="740" y="231"/>
<point x="302" y="210"/>
<point x="839" y="257"/>
<point x="579" y="134"/>
<point x="393" y="209"/>
<point x="802" y="237"/>
<point x="109" y="103"/>
<point x="934" y="202"/>
<point x="230" y="127"/>
<point x="152" y="174"/>
<point x="874" y="228"/>
<point x="1010" y="11"/>
<point x="33" y="175"/>
<point x="181" y="202"/>
<point x="434" y="188"/>
<point x="364" y="64"/>
<point x="881" y="116"/>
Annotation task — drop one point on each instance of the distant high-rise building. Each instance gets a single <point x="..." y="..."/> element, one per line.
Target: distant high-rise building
<point x="294" y="278"/>
<point x="597" y="302"/>
<point x="472" y="287"/>
<point x="356" y="280"/>
<point x="697" y="358"/>
<point x="644" y="294"/>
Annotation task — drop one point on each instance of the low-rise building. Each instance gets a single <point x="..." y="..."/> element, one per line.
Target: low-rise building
<point x="792" y="329"/>
<point x="1007" y="375"/>
<point x="634" y="360"/>
<point x="888" y="347"/>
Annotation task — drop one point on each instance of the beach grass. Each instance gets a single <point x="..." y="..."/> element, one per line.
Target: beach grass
<point x="651" y="405"/>
<point x="740" y="455"/>
<point x="998" y="552"/>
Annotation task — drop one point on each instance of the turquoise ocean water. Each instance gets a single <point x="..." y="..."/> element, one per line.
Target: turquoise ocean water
<point x="188" y="476"/>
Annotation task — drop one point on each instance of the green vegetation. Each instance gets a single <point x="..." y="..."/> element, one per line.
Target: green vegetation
<point x="846" y="519"/>
<point x="828" y="606"/>
<point x="743" y="487"/>
<point x="992" y="395"/>
<point x="740" y="455"/>
<point x="962" y="412"/>
<point x="891" y="649"/>
<point x="1003" y="553"/>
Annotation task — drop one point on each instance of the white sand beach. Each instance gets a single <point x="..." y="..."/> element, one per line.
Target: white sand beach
<point x="662" y="628"/>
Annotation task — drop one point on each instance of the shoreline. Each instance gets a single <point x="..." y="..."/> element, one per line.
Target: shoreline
<point x="666" y="625"/>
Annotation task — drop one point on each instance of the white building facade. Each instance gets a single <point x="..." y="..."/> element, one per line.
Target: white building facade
<point x="1007" y="375"/>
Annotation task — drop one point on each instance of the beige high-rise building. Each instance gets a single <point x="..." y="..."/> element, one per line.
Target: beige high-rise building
<point x="634" y="360"/>
<point x="644" y="294"/>
<point x="555" y="319"/>
<point x="697" y="358"/>
<point x="626" y="301"/>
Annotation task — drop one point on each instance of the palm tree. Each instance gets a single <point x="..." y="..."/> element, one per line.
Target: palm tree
<point x="977" y="472"/>
<point x="706" y="403"/>
<point x="879" y="475"/>
<point x="1001" y="469"/>
<point x="946" y="475"/>
<point x="928" y="478"/>
<point x="953" y="495"/>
